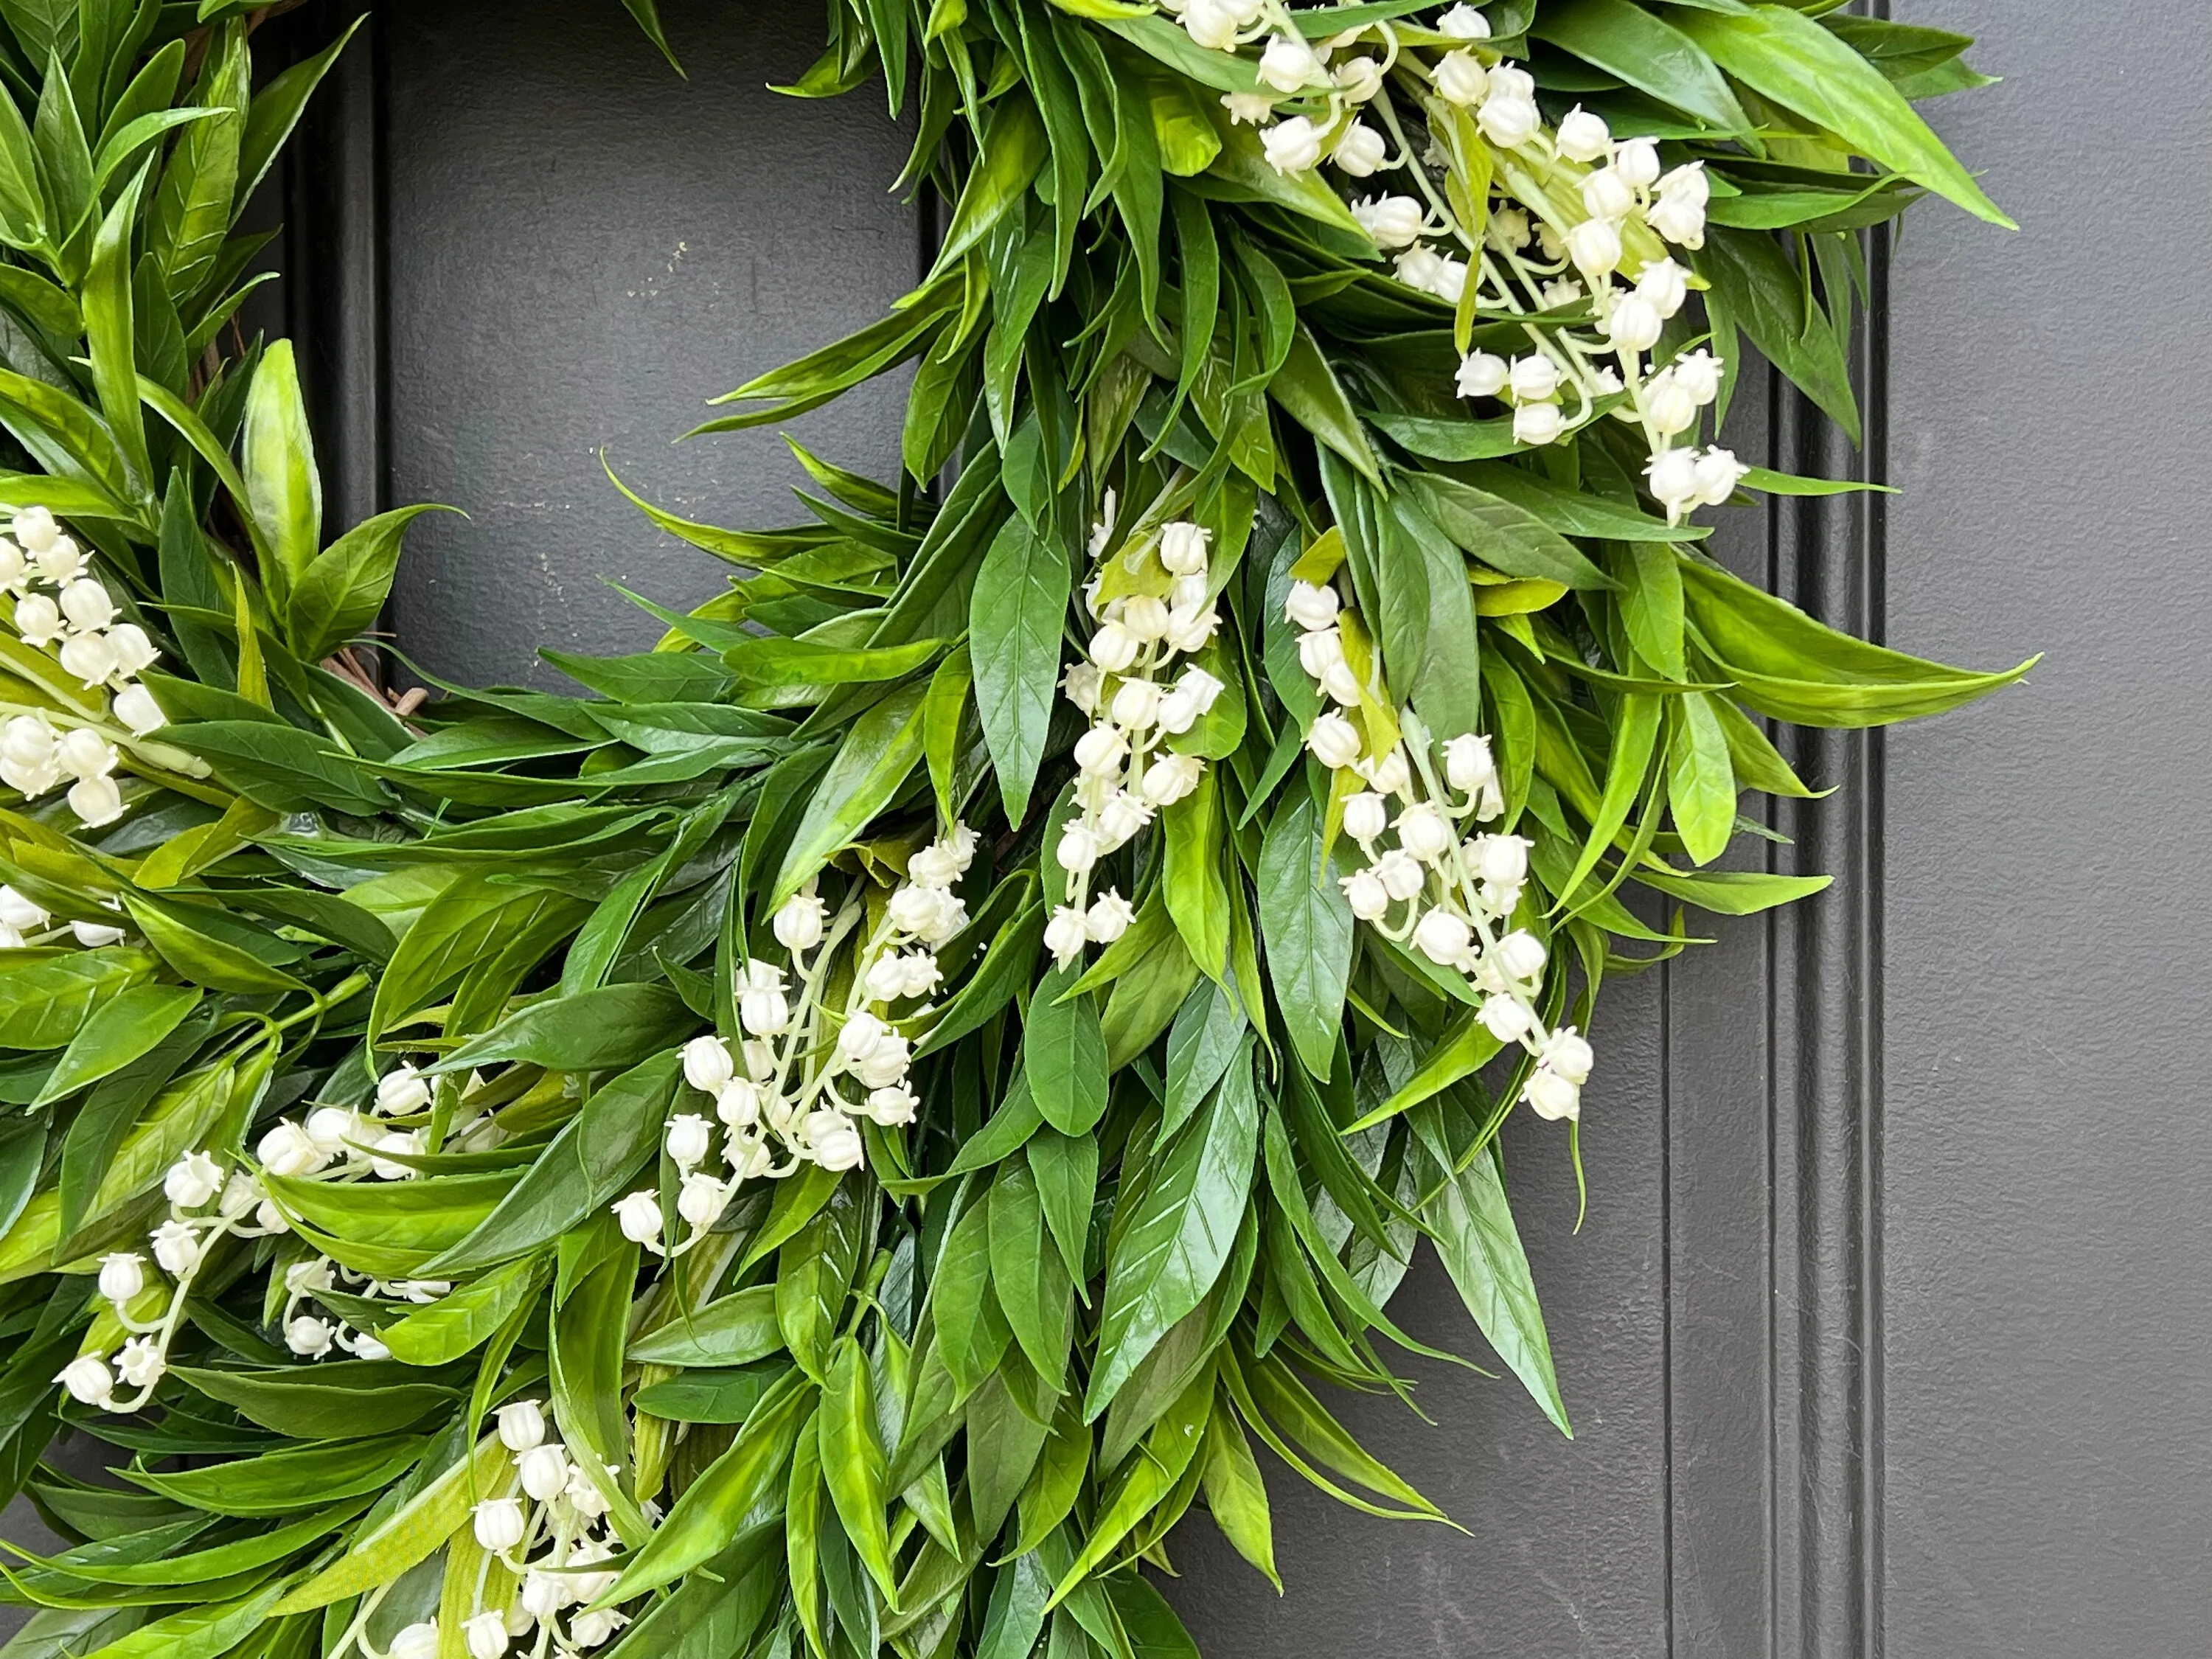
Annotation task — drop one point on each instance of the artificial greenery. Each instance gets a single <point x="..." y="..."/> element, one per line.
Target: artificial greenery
<point x="816" y="1140"/>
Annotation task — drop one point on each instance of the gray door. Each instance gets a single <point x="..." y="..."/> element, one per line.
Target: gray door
<point x="1887" y="1333"/>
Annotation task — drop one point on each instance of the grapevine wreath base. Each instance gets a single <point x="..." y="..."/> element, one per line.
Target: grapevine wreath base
<point x="840" y="1131"/>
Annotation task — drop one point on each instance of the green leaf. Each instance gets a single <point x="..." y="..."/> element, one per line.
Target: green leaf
<point x="409" y="1534"/>
<point x="871" y="764"/>
<point x="1505" y="537"/>
<point x="1236" y="1493"/>
<point x="112" y="339"/>
<point x="1649" y="53"/>
<point x="972" y="1332"/>
<point x="341" y="591"/>
<point x="283" y="489"/>
<point x="464" y="1318"/>
<point x="1310" y="394"/>
<point x="1306" y="923"/>
<point x="1473" y="1227"/>
<point x="1067" y="1171"/>
<point x="1027" y="1273"/>
<point x="1014" y="624"/>
<point x="1014" y="150"/>
<point x="1063" y="1054"/>
<point x="1786" y="56"/>
<point x="344" y="1400"/>
<point x="130" y="1025"/>
<point x="733" y="1330"/>
<point x="606" y="1028"/>
<point x="1700" y="781"/>
<point x="1172" y="1234"/>
<point x="45" y="1002"/>
<point x="853" y="1461"/>
<point x="290" y="1479"/>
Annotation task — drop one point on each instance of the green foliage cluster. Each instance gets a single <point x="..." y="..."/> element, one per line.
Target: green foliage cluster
<point x="1155" y="1208"/>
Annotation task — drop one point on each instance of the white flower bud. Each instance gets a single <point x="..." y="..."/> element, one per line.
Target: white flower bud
<point x="486" y="1634"/>
<point x="1171" y="777"/>
<point x="1388" y="775"/>
<point x="192" y="1180"/>
<point x="1534" y="378"/>
<point x="639" y="1216"/>
<point x="1468" y="763"/>
<point x="1310" y="607"/>
<point x="584" y="1494"/>
<point x="1538" y="423"/>
<point x="1699" y="374"/>
<point x="935" y="865"/>
<point x="1443" y="937"/>
<point x="1504" y="1018"/>
<point x="1635" y="325"/>
<point x="798" y="929"/>
<point x="1686" y="184"/>
<point x="1291" y="146"/>
<point x="885" y="979"/>
<point x="1448" y="279"/>
<point x="1508" y="230"/>
<point x="1211" y="24"/>
<point x="1146" y="616"/>
<point x="499" y="1523"/>
<point x="309" y="1337"/>
<point x="1189" y="627"/>
<point x="1595" y="246"/>
<point x="34" y="527"/>
<point x="96" y="935"/>
<point x="707" y="1062"/>
<point x="1184" y="548"/>
<point x="1418" y="267"/>
<point x="1520" y="954"/>
<point x="1718" y="473"/>
<point x="402" y="1090"/>
<point x="1583" y="136"/>
<point x="689" y="1139"/>
<point x="1666" y="284"/>
<point x="19" y="913"/>
<point x="1425" y="832"/>
<point x="765" y="1013"/>
<point x="142" y="1362"/>
<point x="737" y="1103"/>
<point x="835" y="1142"/>
<point x="1511" y="80"/>
<point x="1482" y="374"/>
<point x="544" y="1594"/>
<point x="1287" y="64"/>
<point x="1065" y="934"/>
<point x="1121" y="819"/>
<point x="893" y="1106"/>
<point x="1100" y="751"/>
<point x="1364" y="892"/>
<point x="594" y="1628"/>
<point x="1464" y="23"/>
<point x="544" y="1470"/>
<point x="1108" y="918"/>
<point x="135" y="708"/>
<point x="1672" y="478"/>
<point x="1502" y="861"/>
<point x="418" y="1641"/>
<point x="286" y="1150"/>
<point x="1638" y="161"/>
<point x="1551" y="1096"/>
<point x="1510" y="122"/>
<point x="1358" y="78"/>
<point x="60" y="561"/>
<point x="1135" y="704"/>
<point x="1391" y="221"/>
<point x="88" y="1379"/>
<point x="1320" y="651"/>
<point x="1401" y="874"/>
<point x="521" y="1426"/>
<point x="395" y="1146"/>
<point x="1361" y="151"/>
<point x="1333" y="740"/>
<point x="122" y="1276"/>
<point x="176" y="1248"/>
<point x="90" y="657"/>
<point x="134" y="651"/>
<point x="1113" y="647"/>
<point x="1568" y="1053"/>
<point x="1461" y="79"/>
<point x="329" y="1127"/>
<point x="87" y="604"/>
<point x="861" y="1036"/>
<point x="1680" y="222"/>
<point x="883" y="1065"/>
<point x="1078" y="850"/>
<point x="28" y="740"/>
<point x="1081" y="683"/>
<point x="1606" y="196"/>
<point x="1366" y="816"/>
<point x="1669" y="406"/>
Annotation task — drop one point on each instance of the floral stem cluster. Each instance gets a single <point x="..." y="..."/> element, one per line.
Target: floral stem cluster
<point x="58" y="607"/>
<point x="781" y="1099"/>
<point x="1448" y="896"/>
<point x="1124" y="771"/>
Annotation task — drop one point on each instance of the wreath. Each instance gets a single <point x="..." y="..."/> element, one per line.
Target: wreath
<point x="840" y="1132"/>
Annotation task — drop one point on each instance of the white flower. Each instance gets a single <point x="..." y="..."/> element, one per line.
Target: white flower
<point x="134" y="651"/>
<point x="883" y="1065"/>
<point x="1534" y="378"/>
<point x="1401" y="874"/>
<point x="1686" y="184"/>
<point x="1672" y="478"/>
<point x="1333" y="740"/>
<point x="521" y="1426"/>
<point x="309" y="1337"/>
<point x="935" y="865"/>
<point x="97" y="935"/>
<point x="1320" y="650"/>
<point x="1666" y="284"/>
<point x="1065" y="934"/>
<point x="1595" y="246"/>
<point x="1638" y="159"/>
<point x="142" y="1362"/>
<point x="1520" y="954"/>
<point x="19" y="913"/>
<point x="544" y="1594"/>
<point x="28" y="740"/>
<point x="122" y="1276"/>
<point x="1699" y="374"/>
<point x="1246" y="109"/>
<point x="192" y="1180"/>
<point x="894" y="1105"/>
<point x="1538" y="423"/>
<point x="1635" y="325"/>
<point x="707" y="1063"/>
<point x="1556" y="296"/>
<point x="1135" y="704"/>
<point x="1504" y="1018"/>
<point x="1310" y="607"/>
<point x="1461" y="78"/>
<point x="700" y="1199"/>
<point x="1425" y="832"/>
<point x="135" y="708"/>
<point x="1392" y="220"/>
<point x="861" y="1036"/>
<point x="1108" y="918"/>
<point x="1448" y="279"/>
<point x="13" y="566"/>
<point x="1482" y="374"/>
<point x="1211" y="24"/>
<point x="1366" y="815"/>
<point x="1360" y="150"/>
<point x="737" y="1103"/>
<point x="764" y="1012"/>
<point x="1291" y="146"/>
<point x="1417" y="268"/>
<point x="1551" y="1096"/>
<point x="1358" y="78"/>
<point x="1171" y="777"/>
<point x="60" y="561"/>
<point x="1718" y="472"/>
<point x="1369" y="899"/>
<point x="1078" y="850"/>
<point x="1443" y="937"/>
<point x="1121" y="817"/>
<point x="88" y="1379"/>
<point x="1468" y="763"/>
<point x="1510" y="122"/>
<point x="287" y="1150"/>
<point x="499" y="1523"/>
<point x="87" y="604"/>
<point x="1568" y="1053"/>
<point x="96" y="801"/>
<point x="1389" y="775"/>
<point x="1201" y="689"/>
<point x="688" y="1138"/>
<point x="1607" y="195"/>
<point x="35" y="528"/>
<point x="90" y="657"/>
<point x="395" y="1146"/>
<point x="1667" y="404"/>
<point x="1502" y="861"/>
<point x="38" y="620"/>
<point x="1583" y="136"/>
<point x="1287" y="64"/>
<point x="584" y="1495"/>
<point x="402" y="1090"/>
<point x="1464" y="23"/>
<point x="544" y="1470"/>
<point x="885" y="979"/>
<point x="639" y="1216"/>
<point x="1081" y="683"/>
<point x="329" y="1127"/>
<point x="1100" y="751"/>
<point x="1680" y="222"/>
<point x="1113" y="647"/>
<point x="798" y="929"/>
<point x="835" y="1142"/>
<point x="932" y="914"/>
<point x="486" y="1634"/>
